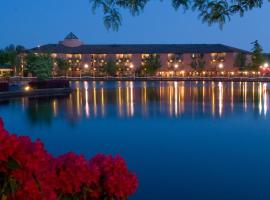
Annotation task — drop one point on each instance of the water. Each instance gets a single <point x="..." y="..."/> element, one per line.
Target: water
<point x="185" y="140"/>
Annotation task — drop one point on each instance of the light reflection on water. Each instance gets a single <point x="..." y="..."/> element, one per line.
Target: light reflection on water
<point x="185" y="140"/>
<point x="147" y="99"/>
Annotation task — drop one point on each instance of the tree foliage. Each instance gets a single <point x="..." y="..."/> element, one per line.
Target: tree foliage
<point x="240" y="61"/>
<point x="198" y="62"/>
<point x="109" y="68"/>
<point x="39" y="65"/>
<point x="211" y="12"/>
<point x="62" y="66"/>
<point x="257" y="55"/>
<point x="9" y="54"/>
<point x="150" y="65"/>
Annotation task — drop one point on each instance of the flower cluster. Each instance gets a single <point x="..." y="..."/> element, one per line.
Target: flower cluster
<point x="29" y="172"/>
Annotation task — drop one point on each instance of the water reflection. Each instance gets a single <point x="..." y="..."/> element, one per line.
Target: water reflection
<point x="149" y="99"/>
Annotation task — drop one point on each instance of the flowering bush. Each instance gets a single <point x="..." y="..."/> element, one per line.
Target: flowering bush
<point x="29" y="172"/>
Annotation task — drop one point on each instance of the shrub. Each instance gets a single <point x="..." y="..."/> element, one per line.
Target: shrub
<point x="29" y="172"/>
<point x="4" y="86"/>
<point x="47" y="84"/>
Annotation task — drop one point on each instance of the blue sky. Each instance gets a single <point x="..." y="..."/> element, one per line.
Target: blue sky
<point x="37" y="22"/>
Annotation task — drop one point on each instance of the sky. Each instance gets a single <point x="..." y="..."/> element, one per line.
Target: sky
<point x="37" y="22"/>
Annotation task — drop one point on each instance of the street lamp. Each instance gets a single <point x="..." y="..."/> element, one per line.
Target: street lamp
<point x="131" y="66"/>
<point x="175" y="67"/>
<point x="220" y="66"/>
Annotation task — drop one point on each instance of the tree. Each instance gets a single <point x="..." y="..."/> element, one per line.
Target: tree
<point x="198" y="62"/>
<point x="39" y="65"/>
<point x="150" y="65"/>
<point x="257" y="55"/>
<point x="240" y="61"/>
<point x="62" y="66"/>
<point x="110" y="68"/>
<point x="211" y="12"/>
<point x="11" y="56"/>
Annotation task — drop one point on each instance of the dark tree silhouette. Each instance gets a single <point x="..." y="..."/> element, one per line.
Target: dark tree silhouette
<point x="211" y="12"/>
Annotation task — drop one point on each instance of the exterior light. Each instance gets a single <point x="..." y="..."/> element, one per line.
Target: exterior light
<point x="220" y="66"/>
<point x="171" y="61"/>
<point x="86" y="66"/>
<point x="27" y="88"/>
<point x="266" y="65"/>
<point x="131" y="66"/>
<point x="203" y="72"/>
<point x="176" y="66"/>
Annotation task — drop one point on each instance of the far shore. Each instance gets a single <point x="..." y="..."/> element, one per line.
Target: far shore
<point x="153" y="78"/>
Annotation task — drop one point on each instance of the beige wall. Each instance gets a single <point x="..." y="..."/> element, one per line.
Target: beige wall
<point x="228" y="63"/>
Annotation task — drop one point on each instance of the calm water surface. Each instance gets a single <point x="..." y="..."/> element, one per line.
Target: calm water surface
<point x="185" y="140"/>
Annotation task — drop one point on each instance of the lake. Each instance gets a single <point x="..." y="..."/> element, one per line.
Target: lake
<point x="184" y="140"/>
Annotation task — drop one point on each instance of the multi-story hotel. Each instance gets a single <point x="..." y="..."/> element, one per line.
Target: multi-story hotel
<point x="175" y="59"/>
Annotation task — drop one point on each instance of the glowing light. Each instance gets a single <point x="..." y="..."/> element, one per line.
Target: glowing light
<point x="86" y="66"/>
<point x="220" y="66"/>
<point x="176" y="66"/>
<point x="131" y="66"/>
<point x="266" y="65"/>
<point x="27" y="88"/>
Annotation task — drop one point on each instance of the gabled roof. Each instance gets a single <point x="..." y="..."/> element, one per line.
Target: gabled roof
<point x="137" y="48"/>
<point x="71" y="36"/>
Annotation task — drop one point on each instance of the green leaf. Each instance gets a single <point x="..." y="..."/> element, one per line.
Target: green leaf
<point x="13" y="164"/>
<point x="13" y="185"/>
<point x="3" y="197"/>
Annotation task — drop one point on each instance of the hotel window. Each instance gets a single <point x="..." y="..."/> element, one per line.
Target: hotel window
<point x="172" y="57"/>
<point x="53" y="55"/>
<point x="78" y="56"/>
<point x="144" y="56"/>
<point x="218" y="57"/>
<point x="123" y="56"/>
<point x="197" y="55"/>
<point x="68" y="55"/>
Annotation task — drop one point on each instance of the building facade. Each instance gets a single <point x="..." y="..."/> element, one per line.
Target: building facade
<point x="175" y="59"/>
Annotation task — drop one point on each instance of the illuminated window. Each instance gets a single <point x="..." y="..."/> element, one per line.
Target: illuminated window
<point x="69" y="55"/>
<point x="53" y="55"/>
<point x="78" y="56"/>
<point x="145" y="56"/>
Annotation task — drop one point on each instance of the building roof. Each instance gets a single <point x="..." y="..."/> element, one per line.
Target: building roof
<point x="5" y="66"/>
<point x="71" y="36"/>
<point x="137" y="48"/>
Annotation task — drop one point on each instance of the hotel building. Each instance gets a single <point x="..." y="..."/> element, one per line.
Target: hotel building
<point x="175" y="59"/>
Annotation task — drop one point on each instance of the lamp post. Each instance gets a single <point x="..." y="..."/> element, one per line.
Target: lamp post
<point x="131" y="66"/>
<point x="175" y="68"/>
<point x="86" y="66"/>
<point x="220" y="66"/>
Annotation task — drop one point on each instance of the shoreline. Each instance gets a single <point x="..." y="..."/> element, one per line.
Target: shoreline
<point x="20" y="80"/>
<point x="37" y="93"/>
<point x="215" y="79"/>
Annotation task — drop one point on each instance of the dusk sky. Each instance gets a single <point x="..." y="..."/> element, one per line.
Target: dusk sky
<point x="37" y="22"/>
